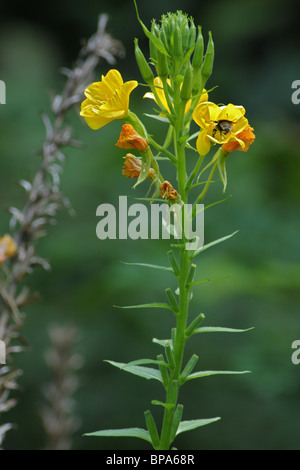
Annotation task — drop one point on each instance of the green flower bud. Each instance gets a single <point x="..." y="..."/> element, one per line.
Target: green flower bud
<point x="198" y="53"/>
<point x="186" y="89"/>
<point x="207" y="66"/>
<point x="153" y="50"/>
<point x="177" y="46"/>
<point x="192" y="36"/>
<point x="162" y="65"/>
<point x="185" y="37"/>
<point x="143" y="65"/>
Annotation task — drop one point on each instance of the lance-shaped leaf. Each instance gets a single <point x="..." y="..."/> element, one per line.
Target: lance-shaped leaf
<point x="151" y="305"/>
<point x="157" y="42"/>
<point x="215" y="242"/>
<point x="145" y="372"/>
<point x="193" y="424"/>
<point x="207" y="373"/>
<point x="219" y="329"/>
<point x="126" y="432"/>
<point x="157" y="117"/>
<point x="152" y="266"/>
<point x="152" y="429"/>
<point x="146" y="164"/>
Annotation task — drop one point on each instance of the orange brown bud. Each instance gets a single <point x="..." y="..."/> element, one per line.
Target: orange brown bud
<point x="8" y="248"/>
<point x="245" y="136"/>
<point x="167" y="191"/>
<point x="132" y="167"/>
<point x="130" y="139"/>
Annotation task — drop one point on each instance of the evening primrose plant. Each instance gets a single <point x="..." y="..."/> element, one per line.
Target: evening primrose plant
<point x="176" y="75"/>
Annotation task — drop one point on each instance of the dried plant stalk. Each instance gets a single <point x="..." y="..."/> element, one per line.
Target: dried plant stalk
<point x="43" y="200"/>
<point x="58" y="416"/>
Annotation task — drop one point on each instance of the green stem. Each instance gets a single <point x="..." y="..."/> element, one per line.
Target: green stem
<point x="184" y="289"/>
<point x="194" y="173"/>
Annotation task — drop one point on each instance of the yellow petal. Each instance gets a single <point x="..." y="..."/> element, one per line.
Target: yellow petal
<point x="231" y="113"/>
<point x="203" y="143"/>
<point x="206" y="113"/>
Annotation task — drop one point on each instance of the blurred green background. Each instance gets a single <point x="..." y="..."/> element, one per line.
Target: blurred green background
<point x="257" y="59"/>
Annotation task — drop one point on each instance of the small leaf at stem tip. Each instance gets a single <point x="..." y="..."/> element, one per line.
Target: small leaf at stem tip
<point x="168" y="406"/>
<point x="162" y="342"/>
<point x="126" y="432"/>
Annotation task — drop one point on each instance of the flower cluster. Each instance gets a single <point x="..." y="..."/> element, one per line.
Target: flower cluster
<point x="176" y="74"/>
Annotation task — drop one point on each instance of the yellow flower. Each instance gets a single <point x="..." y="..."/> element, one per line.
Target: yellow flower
<point x="107" y="100"/>
<point x="220" y="125"/>
<point x="8" y="248"/>
<point x="161" y="94"/>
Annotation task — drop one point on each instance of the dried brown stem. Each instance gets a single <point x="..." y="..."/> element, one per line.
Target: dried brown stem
<point x="43" y="200"/>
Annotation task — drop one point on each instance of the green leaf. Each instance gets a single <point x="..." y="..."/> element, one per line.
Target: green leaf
<point x="145" y="372"/>
<point x="140" y="362"/>
<point x="207" y="373"/>
<point x="157" y="43"/>
<point x="153" y="266"/>
<point x="219" y="329"/>
<point x="126" y="432"/>
<point x="151" y="305"/>
<point x="215" y="242"/>
<point x="163" y="342"/>
<point x="208" y="280"/>
<point x="157" y="117"/>
<point x="169" y="406"/>
<point x="193" y="424"/>
<point x="146" y="164"/>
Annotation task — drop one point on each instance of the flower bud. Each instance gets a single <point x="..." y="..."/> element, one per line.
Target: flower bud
<point x="143" y="65"/>
<point x="185" y="37"/>
<point x="177" y="46"/>
<point x="192" y="35"/>
<point x="198" y="53"/>
<point x="153" y="50"/>
<point x="186" y="89"/>
<point x="207" y="66"/>
<point x="162" y="65"/>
